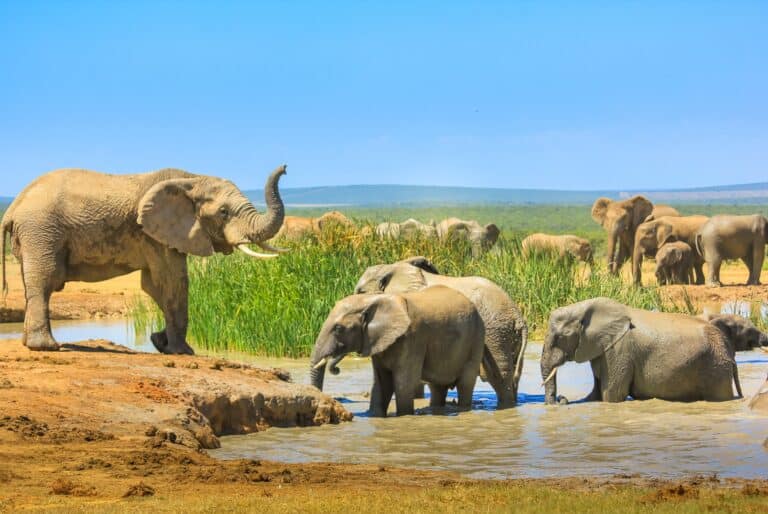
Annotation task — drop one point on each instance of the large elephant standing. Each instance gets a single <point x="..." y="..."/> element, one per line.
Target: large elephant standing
<point x="621" y="219"/>
<point x="434" y="336"/>
<point x="506" y="332"/>
<point x="76" y="224"/>
<point x="561" y="245"/>
<point x="652" y="235"/>
<point x="733" y="237"/>
<point x="639" y="353"/>
<point x="480" y="237"/>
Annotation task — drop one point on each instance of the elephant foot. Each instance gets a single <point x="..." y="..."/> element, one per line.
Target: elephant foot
<point x="714" y="283"/>
<point x="160" y="341"/>
<point x="41" y="342"/>
<point x="753" y="282"/>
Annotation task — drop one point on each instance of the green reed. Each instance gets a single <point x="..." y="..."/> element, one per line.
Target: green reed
<point x="276" y="307"/>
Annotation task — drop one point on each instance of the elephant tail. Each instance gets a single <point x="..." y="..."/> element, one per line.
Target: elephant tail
<point x="697" y="241"/>
<point x="739" y="394"/>
<point x="521" y="356"/>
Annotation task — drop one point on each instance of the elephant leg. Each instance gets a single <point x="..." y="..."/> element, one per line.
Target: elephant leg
<point x="498" y="363"/>
<point x="438" y="395"/>
<point x="698" y="267"/>
<point x="170" y="291"/>
<point x="466" y="386"/>
<point x="42" y="274"/>
<point x="615" y="382"/>
<point x="758" y="255"/>
<point x="381" y="393"/>
<point x="404" y="386"/>
<point x="713" y="273"/>
<point x="419" y="391"/>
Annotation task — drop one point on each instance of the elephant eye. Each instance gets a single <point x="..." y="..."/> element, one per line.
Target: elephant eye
<point x="224" y="212"/>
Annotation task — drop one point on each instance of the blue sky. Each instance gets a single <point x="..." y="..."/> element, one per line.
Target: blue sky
<point x="567" y="95"/>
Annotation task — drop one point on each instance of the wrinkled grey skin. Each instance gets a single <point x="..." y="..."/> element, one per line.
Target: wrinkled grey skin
<point x="407" y="229"/>
<point x="741" y="333"/>
<point x="674" y="263"/>
<point x="433" y="336"/>
<point x="654" y="233"/>
<point x="81" y="225"/>
<point x="480" y="237"/>
<point x="639" y="353"/>
<point x="506" y="332"/>
<point x="733" y="237"/>
<point x="620" y="220"/>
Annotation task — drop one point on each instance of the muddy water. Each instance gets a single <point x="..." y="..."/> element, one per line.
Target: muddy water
<point x="650" y="437"/>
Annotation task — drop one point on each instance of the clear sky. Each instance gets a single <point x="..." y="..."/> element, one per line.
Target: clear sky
<point x="544" y="94"/>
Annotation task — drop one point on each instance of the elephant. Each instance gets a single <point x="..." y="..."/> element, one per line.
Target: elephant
<point x="506" y="332"/>
<point x="434" y="335"/>
<point x="674" y="263"/>
<point x="662" y="210"/>
<point x="759" y="402"/>
<point x="652" y="234"/>
<point x="407" y="229"/>
<point x="741" y="333"/>
<point x="733" y="237"/>
<point x="480" y="237"/>
<point x="561" y="245"/>
<point x="639" y="353"/>
<point x="296" y="228"/>
<point x="621" y="219"/>
<point x="74" y="224"/>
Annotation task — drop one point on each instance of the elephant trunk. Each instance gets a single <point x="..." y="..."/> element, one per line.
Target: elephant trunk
<point x="265" y="226"/>
<point x="551" y="359"/>
<point x="318" y="367"/>
<point x="612" y="265"/>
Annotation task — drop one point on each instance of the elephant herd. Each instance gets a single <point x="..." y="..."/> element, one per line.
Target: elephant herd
<point x="638" y="228"/>
<point x="417" y="325"/>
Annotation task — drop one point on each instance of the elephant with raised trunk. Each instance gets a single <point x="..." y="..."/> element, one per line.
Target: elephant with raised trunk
<point x="639" y="353"/>
<point x="652" y="235"/>
<point x="506" y="332"/>
<point x="559" y="245"/>
<point x="621" y="219"/>
<point x="480" y="237"/>
<point x="75" y="224"/>
<point x="733" y="237"/>
<point x="433" y="336"/>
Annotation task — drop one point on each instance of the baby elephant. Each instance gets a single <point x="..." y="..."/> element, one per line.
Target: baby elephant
<point x="434" y="335"/>
<point x="674" y="263"/>
<point x="560" y="245"/>
<point x="742" y="335"/>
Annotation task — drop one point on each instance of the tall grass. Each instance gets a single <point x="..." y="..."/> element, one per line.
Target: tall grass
<point x="276" y="307"/>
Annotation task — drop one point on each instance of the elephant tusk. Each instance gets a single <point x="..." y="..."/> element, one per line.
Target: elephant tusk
<point x="320" y="364"/>
<point x="269" y="248"/>
<point x="248" y="251"/>
<point x="551" y="375"/>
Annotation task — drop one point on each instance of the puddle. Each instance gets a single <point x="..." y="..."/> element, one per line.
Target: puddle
<point x="533" y="440"/>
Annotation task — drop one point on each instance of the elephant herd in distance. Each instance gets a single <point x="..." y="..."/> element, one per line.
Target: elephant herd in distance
<point x="637" y="228"/>
<point x="417" y="325"/>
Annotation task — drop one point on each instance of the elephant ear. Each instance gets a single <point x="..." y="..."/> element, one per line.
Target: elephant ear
<point x="385" y="321"/>
<point x="167" y="214"/>
<point x="600" y="208"/>
<point x="602" y="326"/>
<point x="641" y="209"/>
<point x="493" y="233"/>
<point x="422" y="263"/>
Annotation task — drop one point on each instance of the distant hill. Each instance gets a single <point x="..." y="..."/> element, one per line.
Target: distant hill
<point x="380" y="195"/>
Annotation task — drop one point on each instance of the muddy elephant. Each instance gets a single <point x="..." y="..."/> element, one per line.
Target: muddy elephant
<point x="434" y="336"/>
<point x="621" y="219"/>
<point x="741" y="333"/>
<point x="296" y="228"/>
<point x="409" y="228"/>
<point x="506" y="332"/>
<point x="560" y="245"/>
<point x="76" y="224"/>
<point x="674" y="263"/>
<point x="480" y="237"/>
<point x="651" y="235"/>
<point x="733" y="237"/>
<point x="639" y="353"/>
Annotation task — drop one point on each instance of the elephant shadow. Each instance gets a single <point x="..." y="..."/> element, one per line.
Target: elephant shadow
<point x="99" y="348"/>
